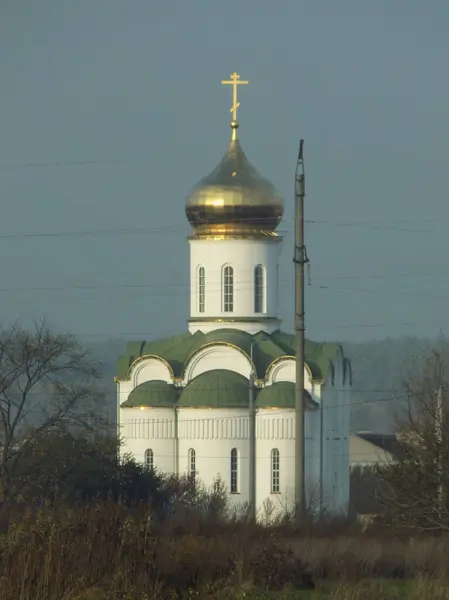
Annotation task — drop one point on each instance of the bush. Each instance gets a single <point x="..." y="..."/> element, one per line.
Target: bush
<point x="110" y="551"/>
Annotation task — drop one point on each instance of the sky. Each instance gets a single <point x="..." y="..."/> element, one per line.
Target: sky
<point x="111" y="110"/>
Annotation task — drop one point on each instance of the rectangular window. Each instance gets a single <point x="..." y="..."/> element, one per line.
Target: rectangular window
<point x="228" y="289"/>
<point x="258" y="290"/>
<point x="192" y="466"/>
<point x="201" y="290"/>
<point x="234" y="471"/>
<point x="275" y="472"/>
<point x="149" y="459"/>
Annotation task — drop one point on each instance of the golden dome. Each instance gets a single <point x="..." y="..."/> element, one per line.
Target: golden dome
<point x="234" y="199"/>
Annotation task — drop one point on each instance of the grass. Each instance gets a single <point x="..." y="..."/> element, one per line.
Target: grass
<point x="364" y="590"/>
<point x="110" y="552"/>
<point x="369" y="589"/>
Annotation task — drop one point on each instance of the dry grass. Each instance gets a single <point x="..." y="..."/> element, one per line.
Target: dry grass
<point x="108" y="552"/>
<point x="420" y="589"/>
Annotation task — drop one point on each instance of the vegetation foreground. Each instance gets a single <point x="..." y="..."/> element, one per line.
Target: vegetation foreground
<point x="106" y="551"/>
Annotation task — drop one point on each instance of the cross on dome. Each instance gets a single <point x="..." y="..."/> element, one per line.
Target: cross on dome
<point x="235" y="81"/>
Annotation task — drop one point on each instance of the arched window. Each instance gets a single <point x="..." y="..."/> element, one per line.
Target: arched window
<point x="149" y="459"/>
<point x="275" y="471"/>
<point x="201" y="290"/>
<point x="192" y="466"/>
<point x="228" y="289"/>
<point x="259" y="289"/>
<point x="234" y="487"/>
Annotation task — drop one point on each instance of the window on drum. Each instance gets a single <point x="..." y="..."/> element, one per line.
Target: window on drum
<point x="201" y="290"/>
<point x="259" y="289"/>
<point x="228" y="289"/>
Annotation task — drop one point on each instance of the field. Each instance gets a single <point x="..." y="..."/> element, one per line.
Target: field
<point x="367" y="590"/>
<point x="108" y="552"/>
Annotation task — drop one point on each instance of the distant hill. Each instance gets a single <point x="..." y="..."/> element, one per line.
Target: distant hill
<point x="379" y="369"/>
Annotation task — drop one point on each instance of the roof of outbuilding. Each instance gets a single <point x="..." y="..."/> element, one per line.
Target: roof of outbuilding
<point x="178" y="349"/>
<point x="385" y="441"/>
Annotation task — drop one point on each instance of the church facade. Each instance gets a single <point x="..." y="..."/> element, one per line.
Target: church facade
<point x="184" y="401"/>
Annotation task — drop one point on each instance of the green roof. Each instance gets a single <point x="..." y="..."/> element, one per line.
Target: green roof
<point x="178" y="349"/>
<point x="152" y="393"/>
<point x="216" y="389"/>
<point x="319" y="355"/>
<point x="281" y="395"/>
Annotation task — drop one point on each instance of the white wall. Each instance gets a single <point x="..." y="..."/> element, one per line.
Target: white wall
<point x="243" y="255"/>
<point x="150" y="428"/>
<point x="275" y="428"/>
<point x="336" y="428"/>
<point x="312" y="431"/>
<point x="213" y="434"/>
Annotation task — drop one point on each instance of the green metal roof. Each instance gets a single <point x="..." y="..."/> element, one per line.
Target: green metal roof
<point x="152" y="393"/>
<point x="178" y="349"/>
<point x="216" y="389"/>
<point x="319" y="355"/>
<point x="281" y="395"/>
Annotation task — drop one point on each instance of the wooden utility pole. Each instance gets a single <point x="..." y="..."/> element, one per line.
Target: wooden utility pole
<point x="439" y="436"/>
<point x="300" y="259"/>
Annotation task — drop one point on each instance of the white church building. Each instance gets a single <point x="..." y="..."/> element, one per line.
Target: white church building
<point x="183" y="401"/>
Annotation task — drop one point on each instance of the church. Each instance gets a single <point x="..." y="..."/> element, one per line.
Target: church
<point x="184" y="401"/>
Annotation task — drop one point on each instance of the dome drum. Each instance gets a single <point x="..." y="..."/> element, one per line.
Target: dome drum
<point x="231" y="218"/>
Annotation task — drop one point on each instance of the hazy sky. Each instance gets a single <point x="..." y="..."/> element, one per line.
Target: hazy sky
<point x="134" y="86"/>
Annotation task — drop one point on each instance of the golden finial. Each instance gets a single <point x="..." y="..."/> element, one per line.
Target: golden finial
<point x="235" y="81"/>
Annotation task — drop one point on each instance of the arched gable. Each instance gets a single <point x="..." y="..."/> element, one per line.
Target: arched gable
<point x="284" y="369"/>
<point x="217" y="355"/>
<point x="348" y="371"/>
<point x="149" y="368"/>
<point x="339" y="369"/>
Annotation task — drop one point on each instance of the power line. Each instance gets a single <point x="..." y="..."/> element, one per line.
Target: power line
<point x="92" y="232"/>
<point x="386" y="225"/>
<point x="187" y="284"/>
<point x="322" y="324"/>
<point x="150" y="158"/>
<point x="272" y="412"/>
<point x="68" y="163"/>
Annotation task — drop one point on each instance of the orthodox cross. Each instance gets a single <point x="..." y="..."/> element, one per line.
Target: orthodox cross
<point x="234" y="82"/>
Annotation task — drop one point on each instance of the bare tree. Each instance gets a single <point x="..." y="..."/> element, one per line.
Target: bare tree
<point x="47" y="383"/>
<point x="417" y="482"/>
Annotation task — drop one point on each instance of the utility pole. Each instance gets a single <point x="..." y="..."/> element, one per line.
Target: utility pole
<point x="252" y="441"/>
<point x="300" y="259"/>
<point x="439" y="436"/>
